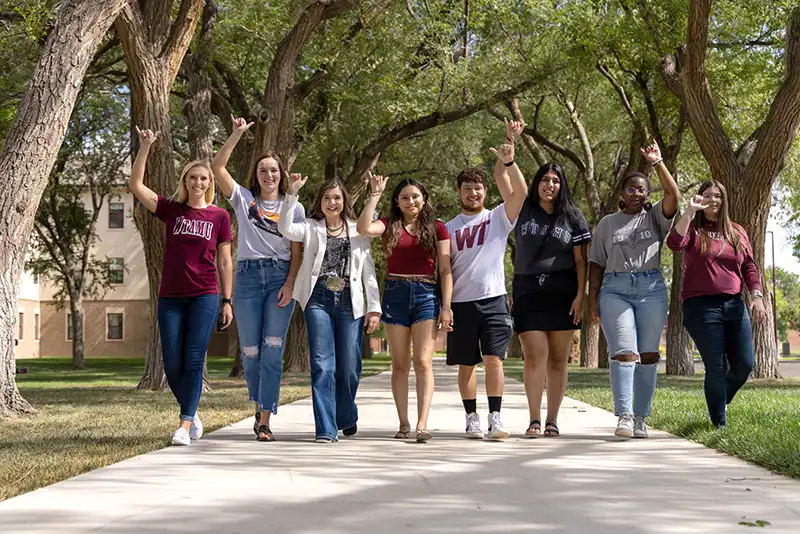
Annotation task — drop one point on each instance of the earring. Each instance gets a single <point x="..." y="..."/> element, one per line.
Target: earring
<point x="622" y="205"/>
<point x="648" y="206"/>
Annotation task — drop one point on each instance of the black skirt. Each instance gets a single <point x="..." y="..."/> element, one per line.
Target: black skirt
<point x="543" y="302"/>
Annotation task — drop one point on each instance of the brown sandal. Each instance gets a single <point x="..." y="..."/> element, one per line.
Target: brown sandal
<point x="264" y="433"/>
<point x="403" y="434"/>
<point x="534" y="429"/>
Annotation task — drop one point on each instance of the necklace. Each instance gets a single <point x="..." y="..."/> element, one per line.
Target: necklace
<point x="269" y="205"/>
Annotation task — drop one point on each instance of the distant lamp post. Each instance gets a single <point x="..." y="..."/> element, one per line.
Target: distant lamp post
<point x="774" y="294"/>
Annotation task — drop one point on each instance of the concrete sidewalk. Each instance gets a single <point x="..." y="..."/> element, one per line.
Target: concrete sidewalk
<point x="586" y="481"/>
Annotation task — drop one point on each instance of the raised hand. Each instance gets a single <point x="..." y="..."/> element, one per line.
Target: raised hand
<point x="506" y="152"/>
<point x="697" y="203"/>
<point x="240" y="125"/>
<point x="514" y="129"/>
<point x="651" y="153"/>
<point x="296" y="182"/>
<point x="147" y="137"/>
<point x="377" y="183"/>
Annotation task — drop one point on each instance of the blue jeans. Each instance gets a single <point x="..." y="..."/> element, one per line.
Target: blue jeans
<point x="406" y="302"/>
<point x="633" y="310"/>
<point x="186" y="325"/>
<point x="262" y="327"/>
<point x="334" y="342"/>
<point x="720" y="327"/>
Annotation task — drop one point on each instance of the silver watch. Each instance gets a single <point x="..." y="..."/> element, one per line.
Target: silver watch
<point x="757" y="294"/>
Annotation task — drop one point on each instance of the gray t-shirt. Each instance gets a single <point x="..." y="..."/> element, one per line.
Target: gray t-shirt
<point x="625" y="243"/>
<point x="258" y="226"/>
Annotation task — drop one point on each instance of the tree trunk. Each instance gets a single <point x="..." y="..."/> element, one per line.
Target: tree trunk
<point x="366" y="347"/>
<point x="76" y="309"/>
<point x="602" y="350"/>
<point x="154" y="47"/>
<point x="233" y="349"/>
<point x="29" y="152"/>
<point x="590" y="337"/>
<point x="680" y="360"/>
<point x="295" y="356"/>
<point x="515" y="347"/>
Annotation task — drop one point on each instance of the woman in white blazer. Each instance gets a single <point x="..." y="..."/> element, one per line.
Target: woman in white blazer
<point x="336" y="274"/>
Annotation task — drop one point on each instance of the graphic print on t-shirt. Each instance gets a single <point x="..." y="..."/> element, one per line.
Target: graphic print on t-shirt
<point x="541" y="229"/>
<point x="466" y="236"/>
<point x="184" y="226"/>
<point x="263" y="219"/>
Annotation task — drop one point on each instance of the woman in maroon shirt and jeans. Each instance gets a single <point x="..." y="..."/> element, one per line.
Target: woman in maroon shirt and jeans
<point x="197" y="246"/>
<point x="718" y="261"/>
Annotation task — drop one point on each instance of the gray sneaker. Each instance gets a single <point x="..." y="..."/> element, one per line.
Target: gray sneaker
<point x="639" y="428"/>
<point x="496" y="428"/>
<point x="624" y="426"/>
<point x="474" y="426"/>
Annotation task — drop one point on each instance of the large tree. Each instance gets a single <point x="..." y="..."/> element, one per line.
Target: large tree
<point x="31" y="148"/>
<point x="155" y="45"/>
<point x="749" y="170"/>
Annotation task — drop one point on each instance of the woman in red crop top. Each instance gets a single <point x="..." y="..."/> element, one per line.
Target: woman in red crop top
<point x="414" y="242"/>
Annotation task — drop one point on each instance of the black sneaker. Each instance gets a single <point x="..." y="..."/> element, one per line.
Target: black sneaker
<point x="350" y="431"/>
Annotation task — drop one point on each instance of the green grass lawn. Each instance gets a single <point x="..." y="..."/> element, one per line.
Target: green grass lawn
<point x="763" y="420"/>
<point x="94" y="417"/>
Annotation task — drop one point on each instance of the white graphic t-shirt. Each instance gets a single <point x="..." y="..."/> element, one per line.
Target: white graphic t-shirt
<point x="258" y="226"/>
<point x="477" y="253"/>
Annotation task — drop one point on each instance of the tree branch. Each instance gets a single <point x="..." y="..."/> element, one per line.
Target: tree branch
<point x="180" y="34"/>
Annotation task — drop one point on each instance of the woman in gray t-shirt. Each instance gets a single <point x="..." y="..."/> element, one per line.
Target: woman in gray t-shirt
<point x="628" y="293"/>
<point x="265" y="273"/>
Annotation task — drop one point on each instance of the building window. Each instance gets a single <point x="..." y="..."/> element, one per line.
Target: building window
<point x="115" y="326"/>
<point x="116" y="215"/>
<point x="36" y="327"/>
<point x="116" y="270"/>
<point x="21" y="326"/>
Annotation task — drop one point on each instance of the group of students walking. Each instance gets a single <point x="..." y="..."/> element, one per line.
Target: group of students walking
<point x="444" y="276"/>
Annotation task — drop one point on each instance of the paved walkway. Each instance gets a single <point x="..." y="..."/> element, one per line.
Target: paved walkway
<point x="585" y="482"/>
<point x="788" y="368"/>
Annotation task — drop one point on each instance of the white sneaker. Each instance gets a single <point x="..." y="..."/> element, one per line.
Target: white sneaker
<point x="639" y="428"/>
<point x="624" y="426"/>
<point x="474" y="426"/>
<point x="496" y="428"/>
<point x="196" y="430"/>
<point x="181" y="437"/>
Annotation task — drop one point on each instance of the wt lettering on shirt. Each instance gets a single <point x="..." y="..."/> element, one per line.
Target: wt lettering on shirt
<point x="467" y="235"/>
<point x="185" y="226"/>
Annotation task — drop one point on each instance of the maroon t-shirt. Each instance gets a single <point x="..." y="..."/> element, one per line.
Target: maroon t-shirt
<point x="190" y="248"/>
<point x="409" y="256"/>
<point x="719" y="270"/>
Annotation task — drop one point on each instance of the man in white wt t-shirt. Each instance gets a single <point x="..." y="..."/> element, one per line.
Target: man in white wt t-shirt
<point x="481" y="319"/>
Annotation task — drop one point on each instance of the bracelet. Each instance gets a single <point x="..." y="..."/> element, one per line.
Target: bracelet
<point x="227" y="301"/>
<point x="756" y="295"/>
<point x="509" y="139"/>
<point x="509" y="164"/>
<point x="659" y="160"/>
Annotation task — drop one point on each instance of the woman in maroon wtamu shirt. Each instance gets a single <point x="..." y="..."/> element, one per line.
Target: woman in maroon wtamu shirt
<point x="718" y="261"/>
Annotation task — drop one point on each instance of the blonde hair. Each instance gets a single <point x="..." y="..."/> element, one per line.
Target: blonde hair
<point x="182" y="194"/>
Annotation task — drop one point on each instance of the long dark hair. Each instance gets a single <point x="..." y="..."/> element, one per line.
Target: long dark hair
<point x="316" y="212"/>
<point x="426" y="221"/>
<point x="731" y="232"/>
<point x="255" y="187"/>
<point x="564" y="207"/>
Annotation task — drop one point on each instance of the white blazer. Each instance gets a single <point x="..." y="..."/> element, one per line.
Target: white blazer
<point x="314" y="236"/>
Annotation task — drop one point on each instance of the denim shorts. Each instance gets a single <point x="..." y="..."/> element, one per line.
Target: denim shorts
<point x="406" y="302"/>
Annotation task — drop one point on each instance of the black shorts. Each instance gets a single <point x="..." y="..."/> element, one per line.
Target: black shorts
<point x="479" y="327"/>
<point x="543" y="302"/>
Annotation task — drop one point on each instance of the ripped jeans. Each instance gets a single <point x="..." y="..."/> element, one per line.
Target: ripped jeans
<point x="262" y="327"/>
<point x="633" y="310"/>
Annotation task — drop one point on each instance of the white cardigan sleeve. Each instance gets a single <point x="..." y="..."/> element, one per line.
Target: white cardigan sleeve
<point x="293" y="231"/>
<point x="370" y="281"/>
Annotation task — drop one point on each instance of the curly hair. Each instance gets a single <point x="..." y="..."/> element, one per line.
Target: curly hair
<point x="426" y="221"/>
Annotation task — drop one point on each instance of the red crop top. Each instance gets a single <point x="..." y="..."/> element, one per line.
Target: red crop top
<point x="409" y="256"/>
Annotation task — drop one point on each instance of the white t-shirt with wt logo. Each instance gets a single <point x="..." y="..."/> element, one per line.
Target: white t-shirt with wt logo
<point x="477" y="253"/>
